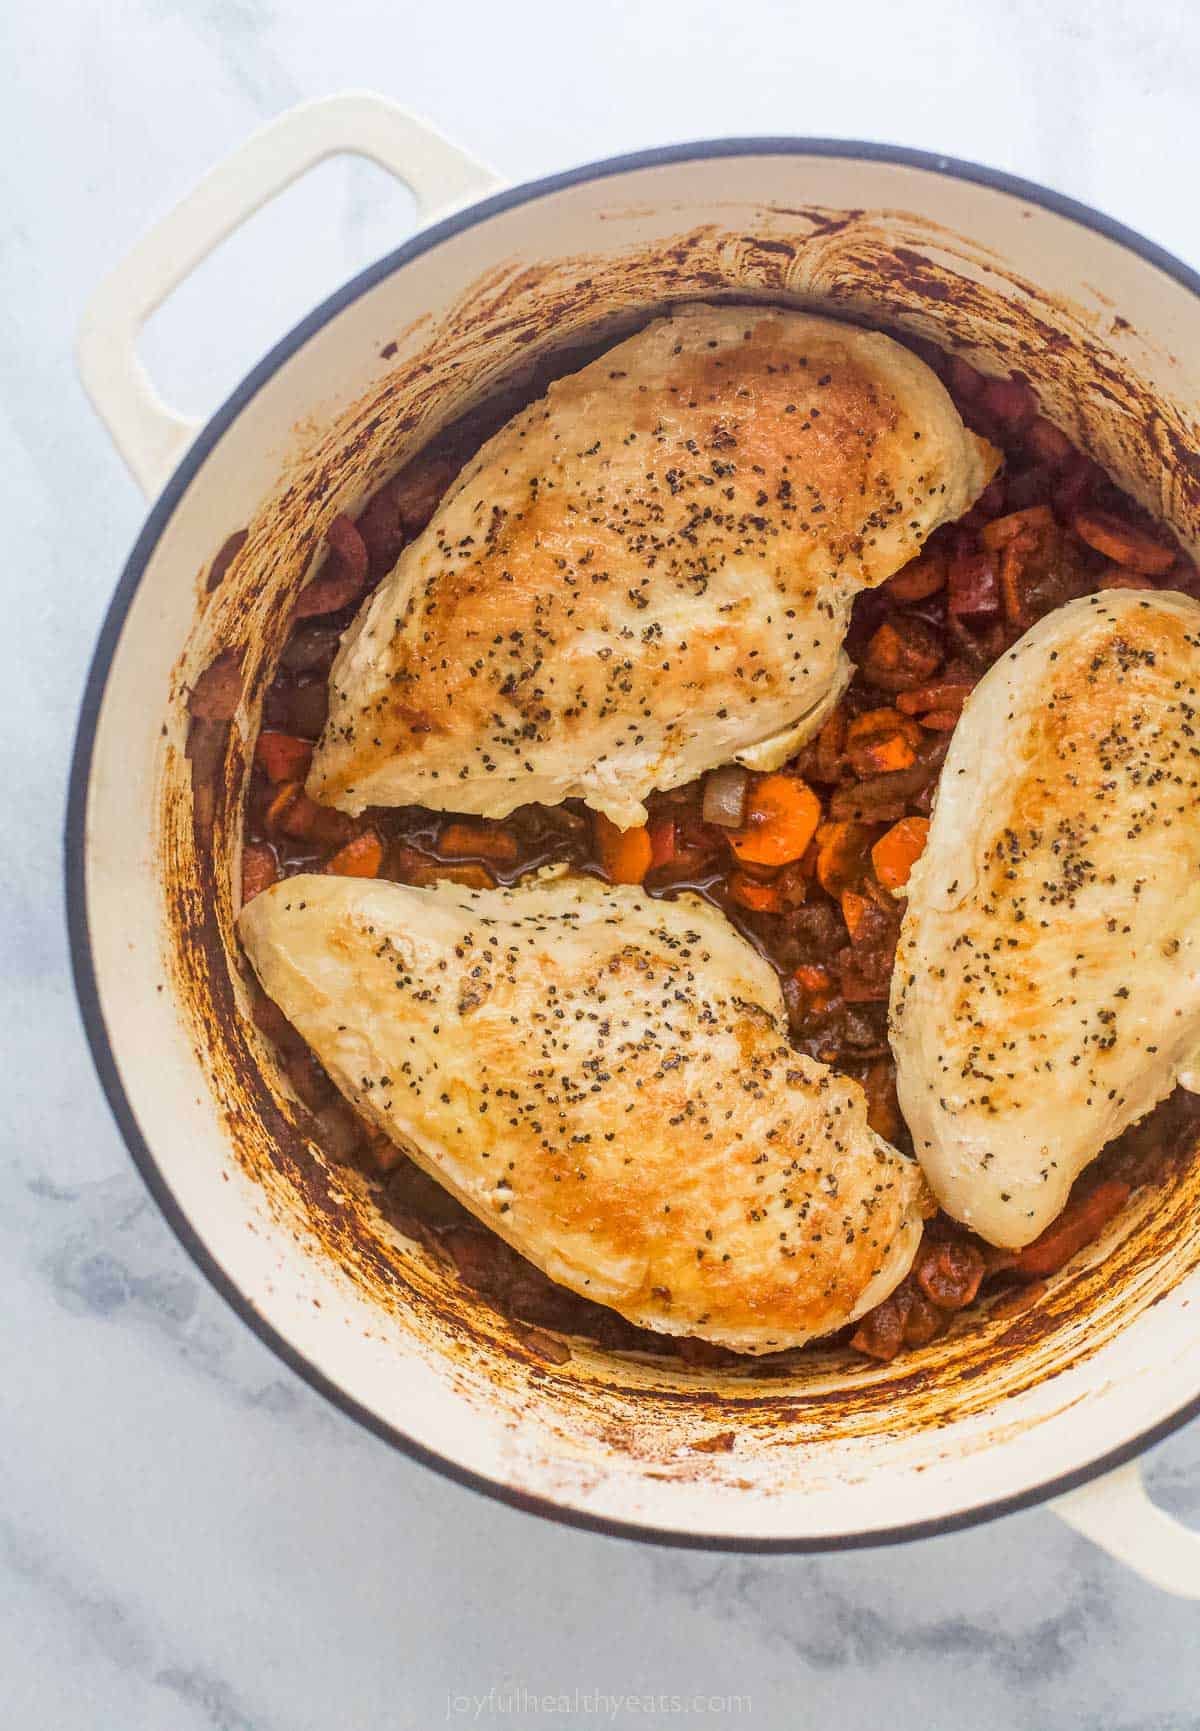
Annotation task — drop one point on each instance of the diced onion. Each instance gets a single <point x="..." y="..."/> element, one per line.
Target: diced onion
<point x="725" y="791"/>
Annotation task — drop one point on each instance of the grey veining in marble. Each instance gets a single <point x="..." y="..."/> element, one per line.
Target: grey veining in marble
<point x="189" y="1538"/>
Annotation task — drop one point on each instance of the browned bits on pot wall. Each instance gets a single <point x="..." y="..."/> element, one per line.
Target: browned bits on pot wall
<point x="893" y="270"/>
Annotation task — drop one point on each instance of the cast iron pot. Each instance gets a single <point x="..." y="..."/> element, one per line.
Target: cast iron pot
<point x="836" y="1452"/>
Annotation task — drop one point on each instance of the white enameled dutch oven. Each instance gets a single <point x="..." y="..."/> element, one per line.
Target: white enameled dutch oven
<point x="1004" y="1411"/>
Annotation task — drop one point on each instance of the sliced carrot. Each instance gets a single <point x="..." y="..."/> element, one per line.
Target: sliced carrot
<point x="259" y="870"/>
<point x="283" y="756"/>
<point x="1081" y="1221"/>
<point x="408" y="865"/>
<point x="1122" y="542"/>
<point x="1015" y="539"/>
<point x="291" y="812"/>
<point x="782" y="814"/>
<point x="814" y="977"/>
<point x="817" y="984"/>
<point x="360" y="858"/>
<point x="461" y="840"/>
<point x="1012" y="569"/>
<point x="1036" y="521"/>
<point x="855" y="910"/>
<point x="282" y="803"/>
<point x="749" y="893"/>
<point x="903" y="653"/>
<point x="625" y="854"/>
<point x="830" y="743"/>
<point x="896" y="853"/>
<point x="880" y="741"/>
<point x="950" y="695"/>
<point x="841" y="855"/>
<point x="941" y="720"/>
<point x="920" y="578"/>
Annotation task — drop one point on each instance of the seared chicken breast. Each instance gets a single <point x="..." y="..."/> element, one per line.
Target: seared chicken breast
<point x="1047" y="984"/>
<point x="647" y="572"/>
<point x="606" y="1081"/>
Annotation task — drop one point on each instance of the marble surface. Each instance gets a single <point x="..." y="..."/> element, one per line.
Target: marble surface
<point x="189" y="1538"/>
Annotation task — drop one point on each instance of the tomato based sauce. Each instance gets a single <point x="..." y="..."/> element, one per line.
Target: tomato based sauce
<point x="809" y="862"/>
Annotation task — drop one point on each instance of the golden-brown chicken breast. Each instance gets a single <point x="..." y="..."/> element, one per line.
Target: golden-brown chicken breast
<point x="647" y="572"/>
<point x="1047" y="984"/>
<point x="606" y="1081"/>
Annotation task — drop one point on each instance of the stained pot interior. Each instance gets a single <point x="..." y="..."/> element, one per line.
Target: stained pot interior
<point x="769" y="1451"/>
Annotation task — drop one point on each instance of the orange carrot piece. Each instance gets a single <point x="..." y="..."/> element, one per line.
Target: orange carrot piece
<point x="896" y="853"/>
<point x="841" y="855"/>
<point x="749" y="893"/>
<point x="360" y="858"/>
<point x="1123" y="543"/>
<point x="814" y="977"/>
<point x="950" y="694"/>
<point x="854" y="911"/>
<point x="903" y="653"/>
<point x="1012" y="569"/>
<point x="830" y="743"/>
<point x="408" y="865"/>
<point x="259" y="870"/>
<point x="625" y="854"/>
<point x="293" y="813"/>
<point x="464" y="840"/>
<point x="281" y="804"/>
<point x="880" y="741"/>
<point x="782" y="814"/>
<point x="816" y="982"/>
<point x="283" y="756"/>
<point x="1081" y="1221"/>
<point x="920" y="578"/>
<point x="1002" y="531"/>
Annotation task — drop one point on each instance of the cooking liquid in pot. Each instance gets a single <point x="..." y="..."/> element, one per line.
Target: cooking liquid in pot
<point x="1050" y="528"/>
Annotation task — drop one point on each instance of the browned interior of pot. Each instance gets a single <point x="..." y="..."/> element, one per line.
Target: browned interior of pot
<point x="884" y="269"/>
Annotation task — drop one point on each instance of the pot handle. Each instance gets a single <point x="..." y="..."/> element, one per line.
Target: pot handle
<point x="150" y="435"/>
<point x="1116" y="1513"/>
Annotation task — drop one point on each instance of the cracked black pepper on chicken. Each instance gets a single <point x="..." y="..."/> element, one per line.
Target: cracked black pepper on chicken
<point x="805" y="858"/>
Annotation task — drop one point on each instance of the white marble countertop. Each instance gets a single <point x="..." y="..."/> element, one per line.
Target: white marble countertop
<point x="189" y="1537"/>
